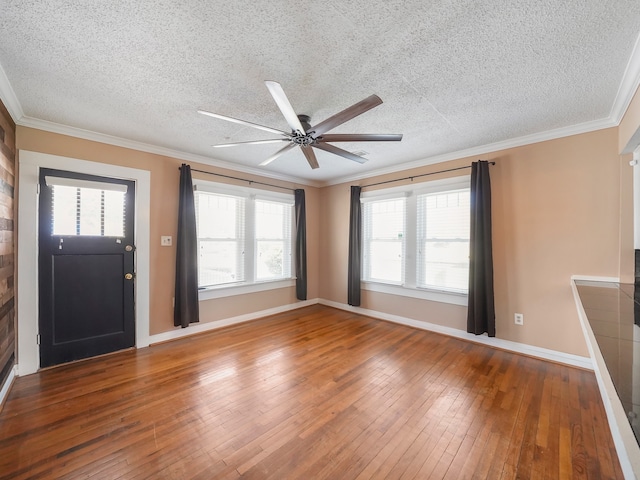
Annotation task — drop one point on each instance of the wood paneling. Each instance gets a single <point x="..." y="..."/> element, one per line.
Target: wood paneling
<point x="7" y="310"/>
<point x="315" y="393"/>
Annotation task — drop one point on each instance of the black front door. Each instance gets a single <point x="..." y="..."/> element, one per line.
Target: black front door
<point x="86" y="266"/>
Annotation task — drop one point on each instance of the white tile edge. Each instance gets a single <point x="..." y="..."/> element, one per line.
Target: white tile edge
<point x="197" y="328"/>
<point x="530" y="350"/>
<point x="621" y="432"/>
<point x="594" y="278"/>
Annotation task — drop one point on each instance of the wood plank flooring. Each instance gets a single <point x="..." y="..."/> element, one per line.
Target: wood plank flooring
<point x="316" y="393"/>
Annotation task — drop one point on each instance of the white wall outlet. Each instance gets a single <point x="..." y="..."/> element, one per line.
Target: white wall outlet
<point x="166" y="240"/>
<point x="518" y="318"/>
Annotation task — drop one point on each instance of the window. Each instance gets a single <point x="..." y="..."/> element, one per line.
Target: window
<point x="220" y="221"/>
<point x="87" y="208"/>
<point x="244" y="235"/>
<point x="384" y="227"/>
<point x="417" y="238"/>
<point x="443" y="240"/>
<point x="273" y="240"/>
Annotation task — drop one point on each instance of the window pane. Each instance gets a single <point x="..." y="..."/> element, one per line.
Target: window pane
<point x="219" y="216"/>
<point x="90" y="206"/>
<point x="273" y="240"/>
<point x="269" y="219"/>
<point x="443" y="240"/>
<point x="446" y="264"/>
<point x="386" y="261"/>
<point x="270" y="261"/>
<point x="387" y="219"/>
<point x="218" y="262"/>
<point x="383" y="240"/>
<point x="114" y="213"/>
<point x="220" y="225"/>
<point x="87" y="211"/>
<point x="65" y="201"/>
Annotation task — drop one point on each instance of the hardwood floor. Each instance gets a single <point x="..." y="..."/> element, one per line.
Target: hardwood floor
<point x="316" y="393"/>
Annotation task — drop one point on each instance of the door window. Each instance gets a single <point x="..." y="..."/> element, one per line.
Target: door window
<point x="87" y="208"/>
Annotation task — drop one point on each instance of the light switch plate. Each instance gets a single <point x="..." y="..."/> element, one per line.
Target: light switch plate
<point x="166" y="240"/>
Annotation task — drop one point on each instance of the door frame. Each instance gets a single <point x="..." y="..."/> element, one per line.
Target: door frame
<point x="29" y="163"/>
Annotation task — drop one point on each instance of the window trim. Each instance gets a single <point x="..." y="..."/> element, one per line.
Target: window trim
<point x="241" y="288"/>
<point x="409" y="287"/>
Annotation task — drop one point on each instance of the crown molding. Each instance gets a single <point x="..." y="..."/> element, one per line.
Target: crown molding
<point x="9" y="98"/>
<point x="148" y="148"/>
<point x="484" y="149"/>
<point x="628" y="85"/>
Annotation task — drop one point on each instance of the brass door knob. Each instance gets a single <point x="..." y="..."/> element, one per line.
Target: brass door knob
<point x="128" y="276"/>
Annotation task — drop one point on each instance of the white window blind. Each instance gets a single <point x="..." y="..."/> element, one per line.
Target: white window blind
<point x="221" y="238"/>
<point x="415" y="238"/>
<point x="384" y="240"/>
<point x="87" y="210"/>
<point x="443" y="240"/>
<point x="273" y="240"/>
<point x="244" y="236"/>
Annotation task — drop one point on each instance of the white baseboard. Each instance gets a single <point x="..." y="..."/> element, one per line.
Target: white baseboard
<point x="530" y="350"/>
<point x="7" y="385"/>
<point x="196" y="328"/>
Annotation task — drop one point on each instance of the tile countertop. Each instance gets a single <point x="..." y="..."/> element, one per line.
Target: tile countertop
<point x="613" y="312"/>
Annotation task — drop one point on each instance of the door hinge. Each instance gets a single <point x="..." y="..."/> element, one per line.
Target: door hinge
<point x="37" y="189"/>
<point x="38" y="338"/>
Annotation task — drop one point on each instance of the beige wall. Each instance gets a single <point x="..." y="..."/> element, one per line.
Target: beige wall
<point x="556" y="212"/>
<point x="164" y="214"/>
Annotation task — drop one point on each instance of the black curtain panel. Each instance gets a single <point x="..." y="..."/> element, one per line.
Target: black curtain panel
<point x="481" y="311"/>
<point x="186" y="310"/>
<point x="301" y="245"/>
<point x="355" y="248"/>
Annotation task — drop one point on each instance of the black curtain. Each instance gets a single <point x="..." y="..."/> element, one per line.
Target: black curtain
<point x="186" y="310"/>
<point x="301" y="245"/>
<point x="355" y="248"/>
<point x="481" y="310"/>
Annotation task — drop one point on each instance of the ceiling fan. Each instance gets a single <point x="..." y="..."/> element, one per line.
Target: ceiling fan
<point x="308" y="137"/>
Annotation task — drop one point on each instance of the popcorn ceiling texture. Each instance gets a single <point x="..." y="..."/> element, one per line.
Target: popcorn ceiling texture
<point x="452" y="74"/>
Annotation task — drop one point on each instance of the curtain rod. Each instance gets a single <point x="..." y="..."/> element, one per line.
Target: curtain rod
<point x="421" y="175"/>
<point x="241" y="179"/>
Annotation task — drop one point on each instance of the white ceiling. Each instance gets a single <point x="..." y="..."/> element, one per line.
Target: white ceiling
<point x="456" y="76"/>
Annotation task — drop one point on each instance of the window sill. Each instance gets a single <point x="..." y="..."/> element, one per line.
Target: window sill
<point x="421" y="293"/>
<point x="230" y="291"/>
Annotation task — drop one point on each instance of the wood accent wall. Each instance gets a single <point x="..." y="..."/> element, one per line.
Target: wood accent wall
<point x="7" y="308"/>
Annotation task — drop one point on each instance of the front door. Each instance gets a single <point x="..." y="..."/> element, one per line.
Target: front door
<point x="86" y="266"/>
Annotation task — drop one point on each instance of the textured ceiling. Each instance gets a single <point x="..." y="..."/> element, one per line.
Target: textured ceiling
<point x="454" y="75"/>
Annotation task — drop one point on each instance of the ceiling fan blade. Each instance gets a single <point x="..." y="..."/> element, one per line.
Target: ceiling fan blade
<point x="339" y="151"/>
<point x="243" y="122"/>
<point x="254" y="142"/>
<point x="285" y="106"/>
<point x="279" y="153"/>
<point x="347" y="114"/>
<point x="311" y="157"/>
<point x="360" y="137"/>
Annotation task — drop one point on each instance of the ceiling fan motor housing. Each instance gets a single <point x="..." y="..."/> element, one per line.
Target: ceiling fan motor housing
<point x="306" y="139"/>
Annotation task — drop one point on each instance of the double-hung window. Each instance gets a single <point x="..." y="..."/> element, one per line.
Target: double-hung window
<point x="416" y="240"/>
<point x="245" y="235"/>
<point x="384" y="234"/>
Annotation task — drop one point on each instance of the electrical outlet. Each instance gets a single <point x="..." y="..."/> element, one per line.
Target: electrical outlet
<point x="518" y="318"/>
<point x="166" y="241"/>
